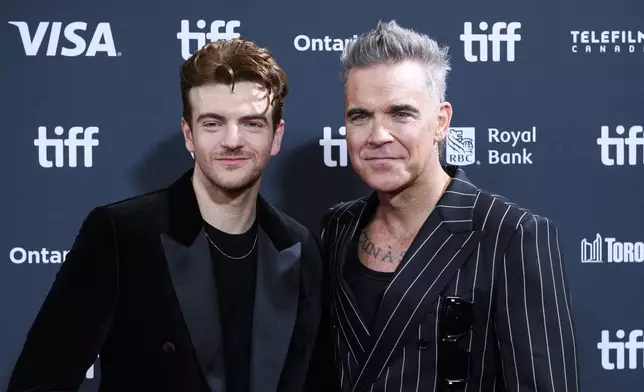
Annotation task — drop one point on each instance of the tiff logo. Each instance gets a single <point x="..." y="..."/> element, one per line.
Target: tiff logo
<point x="186" y="36"/>
<point x="509" y="37"/>
<point x="72" y="142"/>
<point x="102" y="39"/>
<point x="329" y="143"/>
<point x="634" y="346"/>
<point x="633" y="141"/>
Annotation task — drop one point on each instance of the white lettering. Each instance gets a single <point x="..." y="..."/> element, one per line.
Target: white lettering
<point x="608" y="37"/>
<point x="510" y="158"/>
<point x="617" y="41"/>
<point x="72" y="142"/>
<point x="101" y="41"/>
<point x="186" y="36"/>
<point x="634" y="346"/>
<point x="329" y="143"/>
<point x="627" y="252"/>
<point x="44" y="256"/>
<point x="496" y="136"/>
<point x="304" y="43"/>
<point x="634" y="144"/>
<point x="495" y="38"/>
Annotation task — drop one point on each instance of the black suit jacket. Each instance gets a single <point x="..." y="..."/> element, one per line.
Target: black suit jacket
<point x="138" y="288"/>
<point x="503" y="258"/>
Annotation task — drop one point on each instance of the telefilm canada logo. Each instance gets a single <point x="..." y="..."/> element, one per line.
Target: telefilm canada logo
<point x="505" y="146"/>
<point x="66" y="39"/>
<point x="601" y="249"/>
<point x="606" y="42"/>
<point x="498" y="40"/>
<point x="73" y="140"/>
<point x="617" y="354"/>
<point x="627" y="148"/>
<point x="218" y="29"/>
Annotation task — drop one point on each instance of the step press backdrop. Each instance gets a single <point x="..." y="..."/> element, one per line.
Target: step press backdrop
<point x="549" y="108"/>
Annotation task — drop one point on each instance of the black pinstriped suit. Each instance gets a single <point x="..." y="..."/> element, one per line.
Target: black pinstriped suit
<point x="475" y="245"/>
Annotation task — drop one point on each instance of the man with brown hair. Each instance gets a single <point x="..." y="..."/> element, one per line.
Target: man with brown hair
<point x="202" y="286"/>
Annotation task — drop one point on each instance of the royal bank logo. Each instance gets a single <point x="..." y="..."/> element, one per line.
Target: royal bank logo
<point x="505" y="147"/>
<point x="459" y="147"/>
<point x="608" y="250"/>
<point x="607" y="41"/>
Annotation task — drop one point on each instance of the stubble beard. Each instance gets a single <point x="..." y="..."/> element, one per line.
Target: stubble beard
<point x="230" y="181"/>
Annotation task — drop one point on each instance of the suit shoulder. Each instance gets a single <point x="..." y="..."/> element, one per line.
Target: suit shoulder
<point x="144" y="206"/>
<point x="343" y="207"/>
<point x="509" y="212"/>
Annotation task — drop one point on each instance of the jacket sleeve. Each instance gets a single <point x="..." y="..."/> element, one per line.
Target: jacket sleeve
<point x="533" y="320"/>
<point x="75" y="317"/>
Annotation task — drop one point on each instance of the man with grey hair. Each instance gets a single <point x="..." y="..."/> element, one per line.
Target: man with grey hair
<point x="435" y="284"/>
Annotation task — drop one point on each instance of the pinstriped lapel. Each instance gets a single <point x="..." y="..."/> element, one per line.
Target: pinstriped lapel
<point x="439" y="249"/>
<point x="351" y="326"/>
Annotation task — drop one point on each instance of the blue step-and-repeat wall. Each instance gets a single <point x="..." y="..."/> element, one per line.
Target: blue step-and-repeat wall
<point x="549" y="107"/>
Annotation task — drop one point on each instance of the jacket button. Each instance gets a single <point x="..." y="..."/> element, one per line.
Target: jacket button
<point x="422" y="344"/>
<point x="168" y="347"/>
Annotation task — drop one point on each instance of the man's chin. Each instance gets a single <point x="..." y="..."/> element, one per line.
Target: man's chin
<point x="386" y="183"/>
<point x="234" y="185"/>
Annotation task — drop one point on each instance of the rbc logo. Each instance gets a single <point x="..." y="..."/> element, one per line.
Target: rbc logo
<point x="102" y="40"/>
<point x="509" y="37"/>
<point x="459" y="148"/>
<point x="72" y="142"/>
<point x="216" y="33"/>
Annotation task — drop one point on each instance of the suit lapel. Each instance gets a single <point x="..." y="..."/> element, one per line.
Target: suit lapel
<point x="439" y="249"/>
<point x="276" y="302"/>
<point x="276" y="294"/>
<point x="351" y="325"/>
<point x="193" y="279"/>
<point x="190" y="267"/>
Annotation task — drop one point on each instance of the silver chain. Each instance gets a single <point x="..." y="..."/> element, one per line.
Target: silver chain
<point x="229" y="256"/>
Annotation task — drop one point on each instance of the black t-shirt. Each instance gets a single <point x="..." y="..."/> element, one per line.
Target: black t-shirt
<point x="235" y="276"/>
<point x="367" y="285"/>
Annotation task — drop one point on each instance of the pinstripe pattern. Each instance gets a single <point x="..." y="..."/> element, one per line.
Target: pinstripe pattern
<point x="476" y="245"/>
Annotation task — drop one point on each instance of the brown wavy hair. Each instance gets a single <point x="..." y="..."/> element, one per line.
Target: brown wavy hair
<point x="231" y="61"/>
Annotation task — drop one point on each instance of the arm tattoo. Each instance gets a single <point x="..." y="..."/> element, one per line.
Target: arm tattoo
<point x="377" y="252"/>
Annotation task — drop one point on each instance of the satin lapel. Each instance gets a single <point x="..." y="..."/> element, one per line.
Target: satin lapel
<point x="349" y="321"/>
<point x="193" y="279"/>
<point x="276" y="303"/>
<point x="440" y="248"/>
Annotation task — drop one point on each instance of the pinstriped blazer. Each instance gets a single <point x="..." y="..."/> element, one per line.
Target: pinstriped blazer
<point x="476" y="245"/>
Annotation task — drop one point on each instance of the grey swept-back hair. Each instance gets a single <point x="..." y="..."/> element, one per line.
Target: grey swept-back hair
<point x="389" y="43"/>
